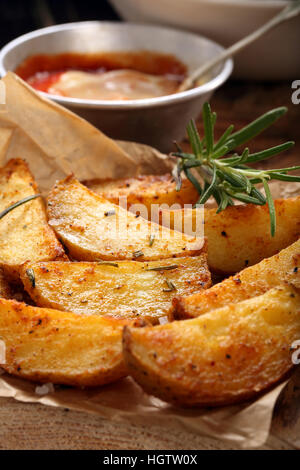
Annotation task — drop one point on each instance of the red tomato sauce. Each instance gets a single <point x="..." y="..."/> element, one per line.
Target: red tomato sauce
<point x="42" y="71"/>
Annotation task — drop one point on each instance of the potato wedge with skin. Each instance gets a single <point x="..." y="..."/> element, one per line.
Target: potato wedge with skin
<point x="146" y="190"/>
<point x="224" y="357"/>
<point x="252" y="281"/>
<point x="93" y="228"/>
<point x="24" y="232"/>
<point x="128" y="289"/>
<point x="47" y="345"/>
<point x="240" y="236"/>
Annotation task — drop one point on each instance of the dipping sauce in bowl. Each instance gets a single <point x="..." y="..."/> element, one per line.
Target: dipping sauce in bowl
<point x="102" y="46"/>
<point x="104" y="76"/>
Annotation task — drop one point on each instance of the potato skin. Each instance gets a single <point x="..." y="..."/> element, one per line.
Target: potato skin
<point x="240" y="236"/>
<point x="5" y="289"/>
<point x="46" y="345"/>
<point x="225" y="357"/>
<point x="130" y="289"/>
<point x="146" y="190"/>
<point x="24" y="232"/>
<point x="93" y="228"/>
<point x="252" y="281"/>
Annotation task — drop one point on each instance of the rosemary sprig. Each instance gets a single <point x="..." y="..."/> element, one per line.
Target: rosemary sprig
<point x="225" y="175"/>
<point x="19" y="203"/>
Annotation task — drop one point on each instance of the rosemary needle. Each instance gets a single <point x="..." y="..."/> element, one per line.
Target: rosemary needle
<point x="19" y="203"/>
<point x="164" y="268"/>
<point x="138" y="254"/>
<point x="217" y="172"/>
<point x="107" y="263"/>
<point x="31" y="277"/>
<point x="171" y="286"/>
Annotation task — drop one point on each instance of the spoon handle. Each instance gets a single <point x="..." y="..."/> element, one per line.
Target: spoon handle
<point x="291" y="10"/>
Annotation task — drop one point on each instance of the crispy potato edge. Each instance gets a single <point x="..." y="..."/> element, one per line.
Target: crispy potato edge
<point x="29" y="319"/>
<point x="170" y="388"/>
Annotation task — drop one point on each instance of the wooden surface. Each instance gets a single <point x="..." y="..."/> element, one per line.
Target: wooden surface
<point x="28" y="426"/>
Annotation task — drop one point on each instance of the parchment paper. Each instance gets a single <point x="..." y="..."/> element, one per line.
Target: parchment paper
<point x="55" y="143"/>
<point x="243" y="426"/>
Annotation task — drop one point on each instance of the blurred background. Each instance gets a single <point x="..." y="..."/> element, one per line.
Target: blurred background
<point x="239" y="100"/>
<point x="19" y="17"/>
<point x="276" y="56"/>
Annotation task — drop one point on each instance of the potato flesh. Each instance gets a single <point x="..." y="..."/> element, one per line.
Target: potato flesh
<point x="252" y="281"/>
<point x="224" y="357"/>
<point x="148" y="190"/>
<point x="24" y="232"/>
<point x="130" y="290"/>
<point x="240" y="236"/>
<point x="92" y="228"/>
<point x="46" y="345"/>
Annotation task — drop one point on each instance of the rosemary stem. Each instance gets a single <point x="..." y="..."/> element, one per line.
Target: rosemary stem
<point x="246" y="172"/>
<point x="19" y="203"/>
<point x="227" y="176"/>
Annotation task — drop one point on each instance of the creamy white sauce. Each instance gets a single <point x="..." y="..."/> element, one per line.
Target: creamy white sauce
<point x="114" y="85"/>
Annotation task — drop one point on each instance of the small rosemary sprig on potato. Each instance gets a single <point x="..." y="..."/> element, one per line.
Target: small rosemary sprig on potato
<point x="225" y="175"/>
<point x="18" y="204"/>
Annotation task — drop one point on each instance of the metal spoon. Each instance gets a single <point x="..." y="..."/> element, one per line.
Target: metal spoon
<point x="291" y="10"/>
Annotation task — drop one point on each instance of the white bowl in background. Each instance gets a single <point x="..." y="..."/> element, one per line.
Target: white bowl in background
<point x="275" y="56"/>
<point x="155" y="121"/>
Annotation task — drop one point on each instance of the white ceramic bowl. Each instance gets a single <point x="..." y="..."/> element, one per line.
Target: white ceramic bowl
<point x="273" y="57"/>
<point x="154" y="121"/>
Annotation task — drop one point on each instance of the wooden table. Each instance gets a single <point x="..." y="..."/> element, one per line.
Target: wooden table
<point x="28" y="426"/>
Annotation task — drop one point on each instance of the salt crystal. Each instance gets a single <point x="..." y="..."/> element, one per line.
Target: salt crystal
<point x="44" y="389"/>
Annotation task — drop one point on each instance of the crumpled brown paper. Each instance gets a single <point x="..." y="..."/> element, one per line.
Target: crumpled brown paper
<point x="55" y="143"/>
<point x="243" y="426"/>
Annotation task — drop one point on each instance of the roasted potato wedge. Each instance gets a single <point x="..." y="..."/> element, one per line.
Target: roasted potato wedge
<point x="224" y="357"/>
<point x="24" y="232"/>
<point x="146" y="190"/>
<point x="127" y="289"/>
<point x="240" y="236"/>
<point x="47" y="345"/>
<point x="252" y="281"/>
<point x="93" y="228"/>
